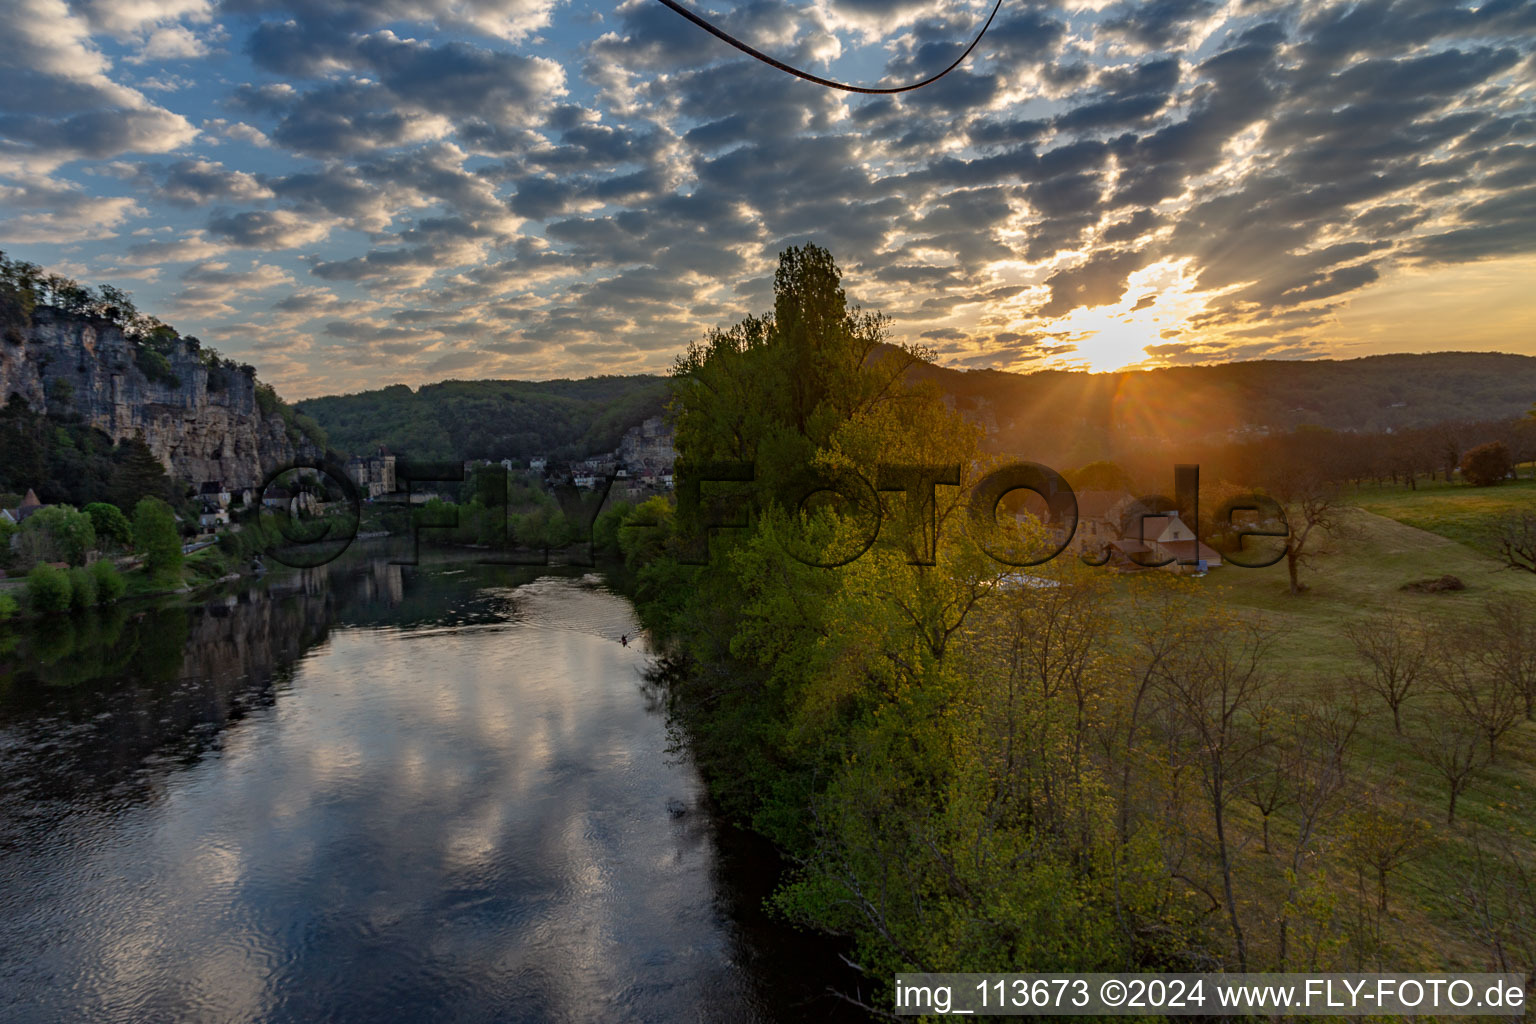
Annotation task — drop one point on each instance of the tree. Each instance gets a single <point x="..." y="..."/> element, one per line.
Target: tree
<point x="1311" y="504"/>
<point x="1452" y="746"/>
<point x="82" y="589"/>
<point x="156" y="539"/>
<point x="109" y="582"/>
<point x="1394" y="654"/>
<point x="1516" y="542"/>
<point x="1215" y="687"/>
<point x="1486" y="464"/>
<point x="1488" y="702"/>
<point x="1498" y="896"/>
<point x="1318" y="773"/>
<point x="138" y="475"/>
<point x="1507" y="646"/>
<point x="8" y="530"/>
<point x="58" y="533"/>
<point x="1382" y="836"/>
<point x="110" y="523"/>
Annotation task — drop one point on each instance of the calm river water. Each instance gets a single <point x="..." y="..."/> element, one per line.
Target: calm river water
<point x="370" y="793"/>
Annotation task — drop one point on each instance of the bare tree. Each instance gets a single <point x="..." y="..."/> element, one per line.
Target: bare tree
<point x="1268" y="789"/>
<point x="1498" y="895"/>
<point x="1394" y="654"/>
<point x="1381" y="837"/>
<point x="1516" y="542"/>
<point x="1215" y="690"/>
<point x="1452" y="746"/>
<point x="1508" y="646"/>
<point x="1160" y="622"/>
<point x="1313" y="506"/>
<point x="1486" y="701"/>
<point x="1318" y="770"/>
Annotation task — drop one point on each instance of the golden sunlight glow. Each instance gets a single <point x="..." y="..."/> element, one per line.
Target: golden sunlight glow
<point x="1108" y="338"/>
<point x="1116" y="337"/>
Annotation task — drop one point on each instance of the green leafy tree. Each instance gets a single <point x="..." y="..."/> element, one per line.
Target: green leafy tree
<point x="111" y="525"/>
<point x="155" y="537"/>
<point x="48" y="589"/>
<point x="58" y="533"/>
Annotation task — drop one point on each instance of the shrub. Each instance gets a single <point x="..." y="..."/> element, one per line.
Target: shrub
<point x="8" y="607"/>
<point x="109" y="582"/>
<point x="1486" y="464"/>
<point x="82" y="589"/>
<point x="48" y="588"/>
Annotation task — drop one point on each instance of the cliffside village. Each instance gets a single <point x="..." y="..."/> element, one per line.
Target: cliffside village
<point x="641" y="465"/>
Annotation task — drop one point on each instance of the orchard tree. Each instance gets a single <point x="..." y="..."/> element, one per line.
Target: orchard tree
<point x="1312" y="507"/>
<point x="1486" y="464"/>
<point x="1517" y="542"/>
<point x="1452" y="746"/>
<point x="1507" y="647"/>
<point x="1394" y="655"/>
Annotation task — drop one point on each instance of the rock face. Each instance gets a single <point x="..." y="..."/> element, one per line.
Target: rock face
<point x="205" y="424"/>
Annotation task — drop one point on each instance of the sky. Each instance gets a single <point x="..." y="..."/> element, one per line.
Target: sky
<point x="354" y="193"/>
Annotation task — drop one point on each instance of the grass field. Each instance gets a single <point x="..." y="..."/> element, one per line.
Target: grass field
<point x="1358" y="574"/>
<point x="1469" y="515"/>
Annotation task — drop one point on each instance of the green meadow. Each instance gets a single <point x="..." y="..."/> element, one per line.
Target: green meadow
<point x="1468" y="515"/>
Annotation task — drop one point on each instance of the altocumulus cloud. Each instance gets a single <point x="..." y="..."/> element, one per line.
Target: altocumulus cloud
<point x="354" y="192"/>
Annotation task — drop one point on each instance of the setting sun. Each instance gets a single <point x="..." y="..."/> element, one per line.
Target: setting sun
<point x="1108" y="339"/>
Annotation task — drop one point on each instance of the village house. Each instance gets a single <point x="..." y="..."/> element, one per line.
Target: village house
<point x="1115" y="524"/>
<point x="1168" y="539"/>
<point x="29" y="505"/>
<point x="373" y="475"/>
<point x="213" y="493"/>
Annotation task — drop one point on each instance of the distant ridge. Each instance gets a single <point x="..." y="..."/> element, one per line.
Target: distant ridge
<point x="482" y="419"/>
<point x="1062" y="414"/>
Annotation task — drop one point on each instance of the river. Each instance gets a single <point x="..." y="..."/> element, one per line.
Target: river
<point x="372" y="792"/>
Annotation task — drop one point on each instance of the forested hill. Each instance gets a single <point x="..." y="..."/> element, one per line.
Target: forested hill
<point x="565" y="419"/>
<point x="1375" y="393"/>
<point x="483" y="419"/>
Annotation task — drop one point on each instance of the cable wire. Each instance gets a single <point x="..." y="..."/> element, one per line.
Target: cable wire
<point x="829" y="83"/>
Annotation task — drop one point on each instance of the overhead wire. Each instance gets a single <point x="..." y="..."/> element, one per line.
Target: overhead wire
<point x="829" y="83"/>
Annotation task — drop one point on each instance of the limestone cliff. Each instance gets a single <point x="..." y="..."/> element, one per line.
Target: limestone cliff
<point x="203" y="422"/>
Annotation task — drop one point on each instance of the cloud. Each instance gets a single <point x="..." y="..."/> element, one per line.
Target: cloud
<point x="538" y="186"/>
<point x="1098" y="282"/>
<point x="267" y="229"/>
<point x="57" y="100"/>
<point x="40" y="209"/>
